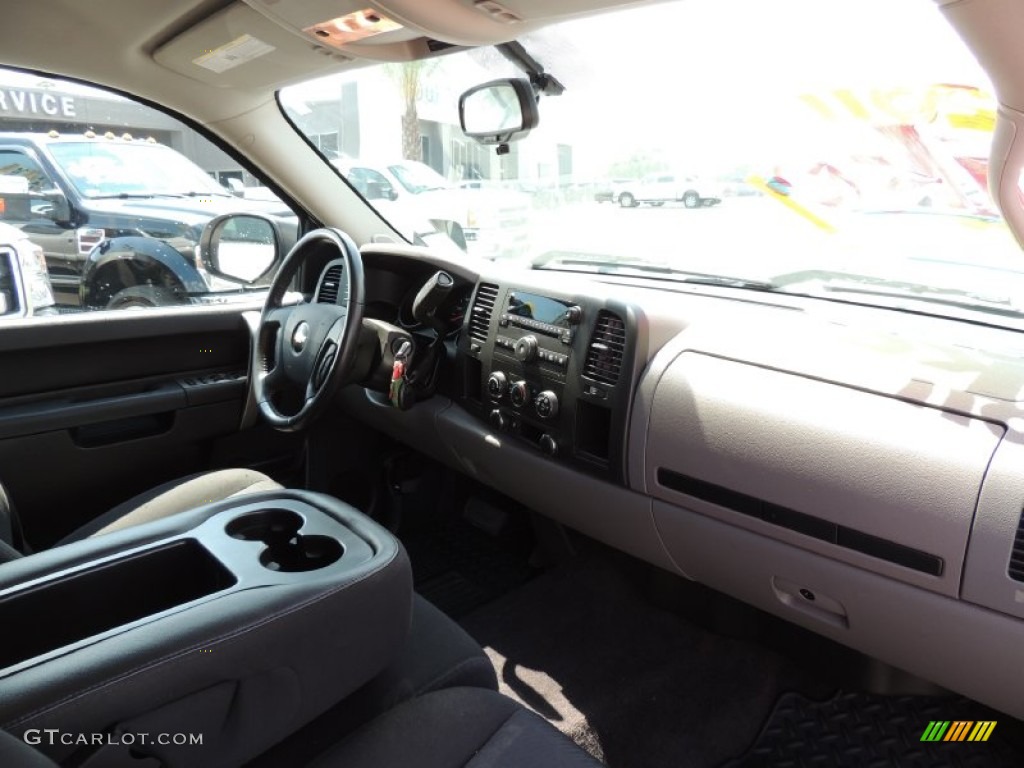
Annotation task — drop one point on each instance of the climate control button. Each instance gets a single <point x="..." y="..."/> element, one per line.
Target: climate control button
<point x="498" y="419"/>
<point x="497" y="385"/>
<point x="519" y="393"/>
<point x="546" y="404"/>
<point x="548" y="444"/>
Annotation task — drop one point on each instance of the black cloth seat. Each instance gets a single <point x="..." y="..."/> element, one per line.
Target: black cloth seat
<point x="453" y="728"/>
<point x="457" y="728"/>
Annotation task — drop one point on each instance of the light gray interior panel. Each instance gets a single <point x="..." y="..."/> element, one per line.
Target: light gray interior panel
<point x="986" y="578"/>
<point x="879" y="470"/>
<point x="960" y="646"/>
<point x="610" y="513"/>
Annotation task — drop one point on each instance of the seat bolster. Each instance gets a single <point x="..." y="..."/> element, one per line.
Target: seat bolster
<point x="173" y="497"/>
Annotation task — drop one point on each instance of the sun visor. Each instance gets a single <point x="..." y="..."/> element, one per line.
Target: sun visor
<point x="240" y="48"/>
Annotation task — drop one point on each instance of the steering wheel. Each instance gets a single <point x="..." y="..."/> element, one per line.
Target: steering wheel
<point x="307" y="349"/>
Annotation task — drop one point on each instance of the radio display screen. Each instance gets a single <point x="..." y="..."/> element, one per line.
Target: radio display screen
<point x="539" y="308"/>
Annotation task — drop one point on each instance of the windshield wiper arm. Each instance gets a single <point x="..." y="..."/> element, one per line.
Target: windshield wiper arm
<point x="135" y="195"/>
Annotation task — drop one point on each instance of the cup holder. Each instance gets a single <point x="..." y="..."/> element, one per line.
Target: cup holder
<point x="287" y="550"/>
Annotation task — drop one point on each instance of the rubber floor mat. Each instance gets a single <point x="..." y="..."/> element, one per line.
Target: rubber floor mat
<point x="858" y="730"/>
<point x="459" y="568"/>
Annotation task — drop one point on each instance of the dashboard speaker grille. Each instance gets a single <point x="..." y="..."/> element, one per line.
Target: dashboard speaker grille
<point x="480" y="314"/>
<point x="607" y="346"/>
<point x="331" y="286"/>
<point x="1016" y="568"/>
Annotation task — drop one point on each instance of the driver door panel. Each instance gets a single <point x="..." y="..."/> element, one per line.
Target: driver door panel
<point x="94" y="409"/>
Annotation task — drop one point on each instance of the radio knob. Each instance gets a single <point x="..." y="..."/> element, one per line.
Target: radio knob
<point x="526" y="348"/>
<point x="548" y="444"/>
<point x="574" y="314"/>
<point x="498" y="419"/>
<point x="497" y="385"/>
<point x="546" y="404"/>
<point x="519" y="392"/>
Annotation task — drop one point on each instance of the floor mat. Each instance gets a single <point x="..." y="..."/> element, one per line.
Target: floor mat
<point x="633" y="684"/>
<point x="459" y="568"/>
<point x="858" y="730"/>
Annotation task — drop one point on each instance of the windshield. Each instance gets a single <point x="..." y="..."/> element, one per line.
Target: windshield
<point x="99" y="168"/>
<point x="827" y="147"/>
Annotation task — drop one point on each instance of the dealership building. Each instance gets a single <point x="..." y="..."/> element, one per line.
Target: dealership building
<point x="68" y="110"/>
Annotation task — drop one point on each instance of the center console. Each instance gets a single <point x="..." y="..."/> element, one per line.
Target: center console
<point x="553" y="370"/>
<point x="239" y="621"/>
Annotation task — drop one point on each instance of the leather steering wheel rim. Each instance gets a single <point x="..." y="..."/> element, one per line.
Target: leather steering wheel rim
<point x="309" y="346"/>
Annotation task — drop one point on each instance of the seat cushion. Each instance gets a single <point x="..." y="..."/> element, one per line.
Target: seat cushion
<point x="173" y="497"/>
<point x="457" y="727"/>
<point x="15" y="752"/>
<point x="437" y="654"/>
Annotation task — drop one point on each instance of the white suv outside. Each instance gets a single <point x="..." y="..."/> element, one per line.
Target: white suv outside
<point x="660" y="188"/>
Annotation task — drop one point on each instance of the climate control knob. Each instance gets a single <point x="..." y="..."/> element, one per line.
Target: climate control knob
<point x="498" y="419"/>
<point x="546" y="404"/>
<point x="526" y="348"/>
<point x="548" y="444"/>
<point x="497" y="385"/>
<point x="519" y="393"/>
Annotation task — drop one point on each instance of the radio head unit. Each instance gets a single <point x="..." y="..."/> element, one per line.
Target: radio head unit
<point x="553" y="317"/>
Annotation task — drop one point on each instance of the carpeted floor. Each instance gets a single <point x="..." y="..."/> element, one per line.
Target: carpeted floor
<point x="634" y="684"/>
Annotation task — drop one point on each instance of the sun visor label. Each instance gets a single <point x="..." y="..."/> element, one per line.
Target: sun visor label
<point x="230" y="55"/>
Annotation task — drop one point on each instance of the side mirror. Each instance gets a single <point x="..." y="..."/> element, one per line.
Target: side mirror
<point x="498" y="112"/>
<point x="241" y="246"/>
<point x="59" y="209"/>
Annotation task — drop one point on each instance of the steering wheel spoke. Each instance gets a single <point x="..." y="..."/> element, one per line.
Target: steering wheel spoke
<point x="312" y="346"/>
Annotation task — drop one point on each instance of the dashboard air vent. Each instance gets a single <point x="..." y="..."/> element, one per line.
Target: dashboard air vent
<point x="1016" y="567"/>
<point x="480" y="314"/>
<point x="607" y="346"/>
<point x="331" y="285"/>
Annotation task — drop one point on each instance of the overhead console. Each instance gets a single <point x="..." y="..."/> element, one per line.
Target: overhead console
<point x="553" y="370"/>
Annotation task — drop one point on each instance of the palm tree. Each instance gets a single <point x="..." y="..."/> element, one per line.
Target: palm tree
<point x="408" y="76"/>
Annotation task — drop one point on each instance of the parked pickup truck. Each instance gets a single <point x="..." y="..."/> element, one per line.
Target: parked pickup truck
<point x="114" y="237"/>
<point x="24" y="285"/>
<point x="660" y="188"/>
<point x="481" y="217"/>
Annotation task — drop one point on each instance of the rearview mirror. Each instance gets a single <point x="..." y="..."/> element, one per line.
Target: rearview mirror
<point x="240" y="246"/>
<point x="499" y="111"/>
